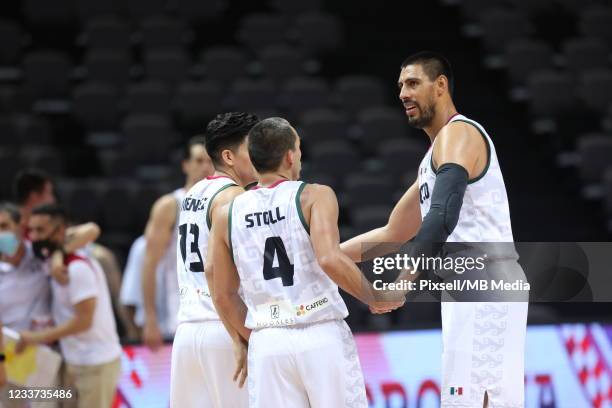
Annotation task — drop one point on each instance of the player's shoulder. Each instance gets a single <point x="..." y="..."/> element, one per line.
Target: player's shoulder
<point x="311" y="192"/>
<point x="222" y="212"/>
<point x="316" y="188"/>
<point x="459" y="133"/>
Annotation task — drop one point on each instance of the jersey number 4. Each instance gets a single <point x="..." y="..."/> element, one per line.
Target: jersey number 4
<point x="197" y="266"/>
<point x="275" y="249"/>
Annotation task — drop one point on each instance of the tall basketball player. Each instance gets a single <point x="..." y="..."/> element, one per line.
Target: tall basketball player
<point x="459" y="196"/>
<point x="279" y="243"/>
<point x="159" y="262"/>
<point x="203" y="352"/>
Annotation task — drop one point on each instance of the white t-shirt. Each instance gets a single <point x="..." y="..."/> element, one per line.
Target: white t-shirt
<point x="100" y="343"/>
<point x="25" y="293"/>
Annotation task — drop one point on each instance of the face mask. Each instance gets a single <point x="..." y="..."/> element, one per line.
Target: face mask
<point x="44" y="248"/>
<point x="8" y="243"/>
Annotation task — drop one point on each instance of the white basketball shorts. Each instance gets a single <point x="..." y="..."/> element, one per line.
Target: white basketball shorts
<point x="483" y="351"/>
<point x="203" y="365"/>
<point x="307" y="366"/>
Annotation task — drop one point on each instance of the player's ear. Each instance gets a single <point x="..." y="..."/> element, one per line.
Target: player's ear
<point x="441" y="85"/>
<point x="227" y="156"/>
<point x="290" y="156"/>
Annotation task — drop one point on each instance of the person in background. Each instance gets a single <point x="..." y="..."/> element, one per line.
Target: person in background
<point x="82" y="311"/>
<point x="33" y="187"/>
<point x="160" y="293"/>
<point x="24" y="278"/>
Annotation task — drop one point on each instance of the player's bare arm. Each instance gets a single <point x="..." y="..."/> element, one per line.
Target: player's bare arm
<point x="77" y="237"/>
<point x="80" y="322"/>
<point x="158" y="234"/>
<point x="462" y="144"/>
<point x="224" y="197"/>
<point x="403" y="224"/>
<point x="81" y="235"/>
<point x="320" y="208"/>
<point x="230" y="306"/>
<point x="240" y="345"/>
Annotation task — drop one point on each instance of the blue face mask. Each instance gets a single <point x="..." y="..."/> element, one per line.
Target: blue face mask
<point x="8" y="243"/>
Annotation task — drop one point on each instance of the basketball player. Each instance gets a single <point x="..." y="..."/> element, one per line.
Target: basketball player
<point x="279" y="243"/>
<point x="459" y="196"/>
<point x="203" y="351"/>
<point x="160" y="253"/>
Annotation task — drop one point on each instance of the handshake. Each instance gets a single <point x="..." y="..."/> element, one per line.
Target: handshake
<point x="385" y="301"/>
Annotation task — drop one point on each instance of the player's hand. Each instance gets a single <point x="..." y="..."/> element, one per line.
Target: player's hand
<point x="240" y="354"/>
<point x="151" y="335"/>
<point x="385" y="307"/>
<point x="59" y="271"/>
<point x="386" y="301"/>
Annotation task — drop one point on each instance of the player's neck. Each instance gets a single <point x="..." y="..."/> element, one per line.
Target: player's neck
<point x="440" y="121"/>
<point x="227" y="173"/>
<point x="267" y="179"/>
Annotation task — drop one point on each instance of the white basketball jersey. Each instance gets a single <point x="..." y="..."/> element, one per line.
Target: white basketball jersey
<point x="485" y="215"/>
<point x="193" y="230"/>
<point x="280" y="280"/>
<point x="167" y="286"/>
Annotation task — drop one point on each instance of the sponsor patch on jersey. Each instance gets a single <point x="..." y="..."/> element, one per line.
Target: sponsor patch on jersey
<point x="274" y="314"/>
<point x="318" y="303"/>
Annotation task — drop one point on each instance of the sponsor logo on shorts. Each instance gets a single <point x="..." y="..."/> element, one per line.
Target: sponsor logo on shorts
<point x="301" y="310"/>
<point x="456" y="390"/>
<point x="274" y="311"/>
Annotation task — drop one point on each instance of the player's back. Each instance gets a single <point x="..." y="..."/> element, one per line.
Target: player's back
<point x="192" y="244"/>
<point x="281" y="282"/>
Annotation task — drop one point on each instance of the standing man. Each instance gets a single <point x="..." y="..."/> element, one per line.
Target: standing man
<point x="25" y="292"/>
<point x="279" y="244"/>
<point x="459" y="196"/>
<point x="82" y="311"/>
<point x="203" y="352"/>
<point x="159" y="262"/>
<point x="24" y="278"/>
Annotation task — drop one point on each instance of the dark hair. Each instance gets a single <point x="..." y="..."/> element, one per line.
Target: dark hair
<point x="196" y="140"/>
<point x="54" y="211"/>
<point x="12" y="210"/>
<point x="227" y="131"/>
<point x="28" y="181"/>
<point x="433" y="65"/>
<point x="269" y="140"/>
